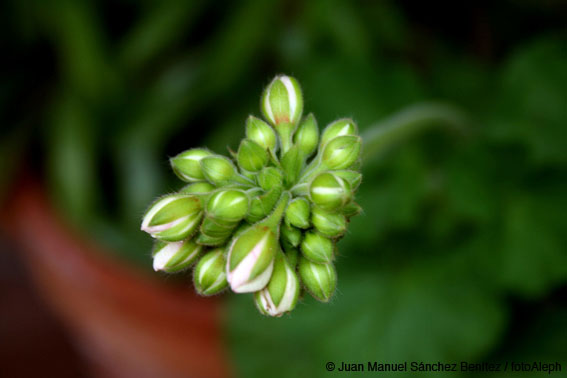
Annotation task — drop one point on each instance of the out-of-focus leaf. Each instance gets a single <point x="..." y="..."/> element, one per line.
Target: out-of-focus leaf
<point x="238" y="41"/>
<point x="342" y="23"/>
<point x="541" y="339"/>
<point x="531" y="106"/>
<point x="366" y="92"/>
<point x="72" y="164"/>
<point x="423" y="312"/>
<point x="163" y="24"/>
<point x="534" y="259"/>
<point x="81" y="44"/>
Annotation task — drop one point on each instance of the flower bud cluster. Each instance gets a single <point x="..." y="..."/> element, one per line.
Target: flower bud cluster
<point x="267" y="221"/>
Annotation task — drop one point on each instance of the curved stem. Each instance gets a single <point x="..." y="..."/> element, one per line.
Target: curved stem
<point x="409" y="122"/>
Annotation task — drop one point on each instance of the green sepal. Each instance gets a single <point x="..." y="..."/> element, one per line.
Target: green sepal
<point x="351" y="209"/>
<point x="270" y="177"/>
<point x="306" y="137"/>
<point x="187" y="165"/>
<point x="329" y="224"/>
<point x="251" y="156"/>
<point x="292" y="164"/>
<point x="209" y="276"/>
<point x="340" y="127"/>
<point x="317" y="247"/>
<point x="341" y="152"/>
<point x="297" y="213"/>
<point x="291" y="234"/>
<point x="320" y="280"/>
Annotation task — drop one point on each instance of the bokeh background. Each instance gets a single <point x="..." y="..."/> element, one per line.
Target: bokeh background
<point x="461" y="254"/>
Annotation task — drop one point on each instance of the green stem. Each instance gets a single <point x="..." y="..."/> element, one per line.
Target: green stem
<point x="409" y="122"/>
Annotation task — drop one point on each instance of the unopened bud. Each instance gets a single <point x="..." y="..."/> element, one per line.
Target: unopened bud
<point x="307" y="136"/>
<point x="187" y="165"/>
<point x="176" y="256"/>
<point x="292" y="255"/>
<point x="338" y="128"/>
<point x="251" y="156"/>
<point x="330" y="192"/>
<point x="173" y="217"/>
<point x="331" y="225"/>
<point x="281" y="293"/>
<point x="209" y="276"/>
<point x="216" y="230"/>
<point x="251" y="259"/>
<point x="341" y="152"/>
<point x="291" y="234"/>
<point x="262" y="205"/>
<point x="351" y="209"/>
<point x="297" y="213"/>
<point x="270" y="177"/>
<point x="261" y="133"/>
<point x="227" y="206"/>
<point x="218" y="170"/>
<point x="317" y="248"/>
<point x="319" y="279"/>
<point x="211" y="241"/>
<point x="197" y="188"/>
<point x="282" y="101"/>
<point x="353" y="177"/>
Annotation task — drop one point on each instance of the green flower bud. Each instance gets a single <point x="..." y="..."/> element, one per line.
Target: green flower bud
<point x="261" y="206"/>
<point x="329" y="192"/>
<point x="209" y="276"/>
<point x="261" y="133"/>
<point x="351" y="209"/>
<point x="218" y="170"/>
<point x="173" y="217"/>
<point x="319" y="279"/>
<point x="338" y="128"/>
<point x="291" y="254"/>
<point x="282" y="101"/>
<point x="251" y="259"/>
<point x="187" y="165"/>
<point x="317" y="248"/>
<point x="307" y="136"/>
<point x="251" y="156"/>
<point x="211" y="241"/>
<point x="229" y="217"/>
<point x="217" y="230"/>
<point x="291" y="234"/>
<point x="341" y="152"/>
<point x="292" y="163"/>
<point x="331" y="225"/>
<point x="270" y="177"/>
<point x="297" y="213"/>
<point x="197" y="188"/>
<point x="176" y="256"/>
<point x="281" y="293"/>
<point x="353" y="177"/>
<point x="227" y="206"/>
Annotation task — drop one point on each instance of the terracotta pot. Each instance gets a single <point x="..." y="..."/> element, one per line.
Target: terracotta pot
<point x="126" y="323"/>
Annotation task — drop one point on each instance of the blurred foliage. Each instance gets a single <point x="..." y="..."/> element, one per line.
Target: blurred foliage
<point x="460" y="254"/>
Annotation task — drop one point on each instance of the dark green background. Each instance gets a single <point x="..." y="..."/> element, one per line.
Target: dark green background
<point x="461" y="253"/>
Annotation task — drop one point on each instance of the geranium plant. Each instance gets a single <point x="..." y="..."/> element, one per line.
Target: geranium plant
<point x="267" y="219"/>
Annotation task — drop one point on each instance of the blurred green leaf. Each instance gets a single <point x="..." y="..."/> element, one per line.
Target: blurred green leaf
<point x="534" y="259"/>
<point x="422" y="313"/>
<point x="162" y="25"/>
<point x="72" y="163"/>
<point x="531" y="104"/>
